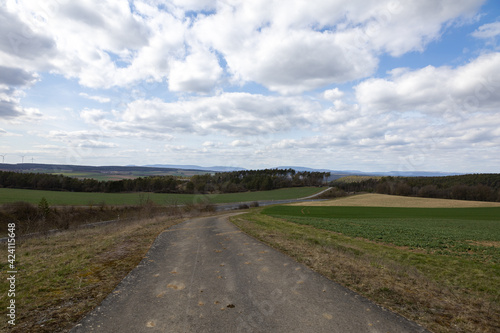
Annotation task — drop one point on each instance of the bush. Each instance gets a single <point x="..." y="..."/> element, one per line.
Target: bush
<point x="334" y="192"/>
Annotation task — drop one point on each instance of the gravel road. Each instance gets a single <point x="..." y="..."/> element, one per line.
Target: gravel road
<point x="205" y="275"/>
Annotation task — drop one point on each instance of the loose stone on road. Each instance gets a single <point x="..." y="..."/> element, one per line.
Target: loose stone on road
<point x="205" y="275"/>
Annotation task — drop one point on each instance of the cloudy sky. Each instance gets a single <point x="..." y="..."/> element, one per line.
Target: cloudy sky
<point x="371" y="85"/>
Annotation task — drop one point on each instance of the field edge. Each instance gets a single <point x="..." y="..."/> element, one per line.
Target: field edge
<point x="404" y="282"/>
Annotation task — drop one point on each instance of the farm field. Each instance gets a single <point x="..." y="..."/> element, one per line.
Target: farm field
<point x="356" y="179"/>
<point x="385" y="200"/>
<point x="473" y="232"/>
<point x="86" y="198"/>
<point x="437" y="266"/>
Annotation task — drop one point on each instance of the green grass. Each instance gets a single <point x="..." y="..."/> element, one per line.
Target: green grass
<point x="470" y="232"/>
<point x="84" y="198"/>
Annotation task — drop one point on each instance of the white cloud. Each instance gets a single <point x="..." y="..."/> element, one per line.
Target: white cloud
<point x="288" y="47"/>
<point x="297" y="61"/>
<point x="99" y="99"/>
<point x="399" y="27"/>
<point x="92" y="116"/>
<point x="241" y="143"/>
<point x="22" y="44"/>
<point x="97" y="144"/>
<point x="199" y="72"/>
<point x="489" y="30"/>
<point x="12" y="82"/>
<point x="292" y="47"/>
<point x="333" y="94"/>
<point x="229" y="113"/>
<point x="194" y="78"/>
<point x="70" y="136"/>
<point x="471" y="87"/>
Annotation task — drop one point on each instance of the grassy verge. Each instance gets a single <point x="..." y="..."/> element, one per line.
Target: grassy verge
<point x="444" y="293"/>
<point x="62" y="277"/>
<point x="84" y="198"/>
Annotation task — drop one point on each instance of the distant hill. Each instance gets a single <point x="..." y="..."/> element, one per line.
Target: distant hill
<point x="77" y="168"/>
<point x="197" y="167"/>
<point x="162" y="168"/>
<point x="341" y="173"/>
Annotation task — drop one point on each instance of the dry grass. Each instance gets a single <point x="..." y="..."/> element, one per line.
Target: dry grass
<point x="62" y="277"/>
<point x="385" y="200"/>
<point x="411" y="284"/>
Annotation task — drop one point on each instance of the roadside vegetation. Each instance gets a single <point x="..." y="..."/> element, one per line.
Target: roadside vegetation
<point x="42" y="218"/>
<point x="64" y="276"/>
<point x="438" y="267"/>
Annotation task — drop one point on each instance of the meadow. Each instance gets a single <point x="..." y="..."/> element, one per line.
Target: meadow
<point x="473" y="232"/>
<point x="60" y="198"/>
<point x="437" y="266"/>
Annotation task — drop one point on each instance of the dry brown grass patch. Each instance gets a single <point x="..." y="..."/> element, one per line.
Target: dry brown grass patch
<point x="63" y="277"/>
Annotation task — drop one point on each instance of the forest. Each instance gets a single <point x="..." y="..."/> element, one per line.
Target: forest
<point x="224" y="182"/>
<point x="478" y="187"/>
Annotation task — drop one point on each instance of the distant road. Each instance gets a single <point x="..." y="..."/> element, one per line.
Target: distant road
<point x="205" y="275"/>
<point x="232" y="206"/>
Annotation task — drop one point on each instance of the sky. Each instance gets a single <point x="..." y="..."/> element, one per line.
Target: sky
<point x="368" y="85"/>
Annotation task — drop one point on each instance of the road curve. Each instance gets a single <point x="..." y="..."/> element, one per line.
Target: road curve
<point x="237" y="205"/>
<point x="205" y="275"/>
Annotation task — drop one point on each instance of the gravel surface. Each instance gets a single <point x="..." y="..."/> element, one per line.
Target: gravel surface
<point x="205" y="275"/>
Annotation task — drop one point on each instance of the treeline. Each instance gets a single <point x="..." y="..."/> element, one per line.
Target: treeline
<point x="225" y="182"/>
<point x="478" y="187"/>
<point x="256" y="180"/>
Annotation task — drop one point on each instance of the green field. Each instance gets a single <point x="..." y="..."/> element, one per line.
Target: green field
<point x="458" y="231"/>
<point x="85" y="198"/>
<point x="437" y="266"/>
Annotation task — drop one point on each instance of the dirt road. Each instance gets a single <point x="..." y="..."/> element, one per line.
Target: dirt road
<point x="205" y="275"/>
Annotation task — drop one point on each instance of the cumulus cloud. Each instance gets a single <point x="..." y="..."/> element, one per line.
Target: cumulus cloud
<point x="99" y="99"/>
<point x="22" y="45"/>
<point x="333" y="94"/>
<point x="201" y="51"/>
<point x="11" y="76"/>
<point x="97" y="144"/>
<point x="229" y="113"/>
<point x="398" y="27"/>
<point x="292" y="47"/>
<point x="199" y="72"/>
<point x="470" y="87"/>
<point x="288" y="47"/>
<point x="12" y="81"/>
<point x="489" y="30"/>
<point x="241" y="143"/>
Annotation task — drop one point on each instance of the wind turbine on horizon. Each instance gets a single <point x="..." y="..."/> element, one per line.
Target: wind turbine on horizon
<point x="22" y="156"/>
<point x="3" y="158"/>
